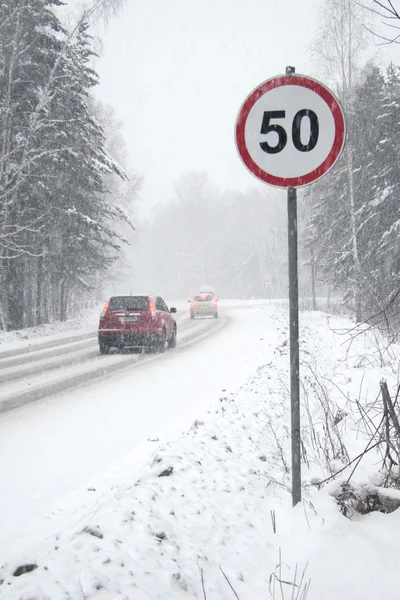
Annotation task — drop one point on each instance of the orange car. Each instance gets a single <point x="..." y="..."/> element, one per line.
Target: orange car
<point x="204" y="305"/>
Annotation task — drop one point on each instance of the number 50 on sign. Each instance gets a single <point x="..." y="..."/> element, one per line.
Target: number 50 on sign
<point x="290" y="131"/>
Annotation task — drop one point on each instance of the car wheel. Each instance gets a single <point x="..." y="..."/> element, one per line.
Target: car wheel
<point x="172" y="340"/>
<point x="162" y="342"/>
<point x="191" y="315"/>
<point x="215" y="315"/>
<point x="104" y="348"/>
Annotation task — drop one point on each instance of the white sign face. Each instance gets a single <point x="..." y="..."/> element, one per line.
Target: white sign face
<point x="290" y="131"/>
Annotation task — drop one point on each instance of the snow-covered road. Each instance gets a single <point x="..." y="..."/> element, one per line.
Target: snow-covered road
<point x="55" y="452"/>
<point x="50" y="368"/>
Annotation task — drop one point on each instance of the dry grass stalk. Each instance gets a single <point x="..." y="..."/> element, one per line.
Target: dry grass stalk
<point x="296" y="590"/>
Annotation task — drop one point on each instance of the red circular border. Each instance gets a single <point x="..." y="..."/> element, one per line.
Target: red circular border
<point x="338" y="142"/>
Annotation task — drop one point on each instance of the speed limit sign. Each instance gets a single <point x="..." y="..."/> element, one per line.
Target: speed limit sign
<point x="290" y="131"/>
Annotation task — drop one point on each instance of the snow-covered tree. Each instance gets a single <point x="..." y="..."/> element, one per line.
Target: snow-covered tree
<point x="339" y="49"/>
<point x="373" y="126"/>
<point x="382" y="213"/>
<point x="29" y="46"/>
<point x="57" y="222"/>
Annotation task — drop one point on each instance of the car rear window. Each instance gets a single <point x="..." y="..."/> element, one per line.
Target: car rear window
<point x="129" y="303"/>
<point x="203" y="298"/>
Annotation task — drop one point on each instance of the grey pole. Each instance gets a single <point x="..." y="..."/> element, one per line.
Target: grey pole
<point x="294" y="338"/>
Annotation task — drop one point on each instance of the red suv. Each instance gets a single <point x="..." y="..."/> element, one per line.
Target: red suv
<point x="136" y="321"/>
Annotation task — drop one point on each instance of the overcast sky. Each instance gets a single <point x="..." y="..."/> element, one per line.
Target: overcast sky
<point x="177" y="71"/>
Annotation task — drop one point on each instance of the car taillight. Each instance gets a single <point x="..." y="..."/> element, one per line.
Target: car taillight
<point x="192" y="304"/>
<point x="214" y="303"/>
<point x="152" y="307"/>
<point x="105" y="308"/>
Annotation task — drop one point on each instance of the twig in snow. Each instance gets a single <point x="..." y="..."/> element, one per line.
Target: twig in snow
<point x="202" y="583"/>
<point x="230" y="585"/>
<point x="306" y="516"/>
<point x="82" y="590"/>
<point x="390" y="406"/>
<point x="273" y="519"/>
<point x="348" y="465"/>
<point x="279" y="447"/>
<point x="299" y="591"/>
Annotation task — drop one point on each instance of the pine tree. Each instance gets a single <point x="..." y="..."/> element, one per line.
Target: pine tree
<point x="340" y="214"/>
<point x="57" y="221"/>
<point x="383" y="208"/>
<point x="29" y="46"/>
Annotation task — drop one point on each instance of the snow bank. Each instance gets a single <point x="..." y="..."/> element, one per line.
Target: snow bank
<point x="10" y="340"/>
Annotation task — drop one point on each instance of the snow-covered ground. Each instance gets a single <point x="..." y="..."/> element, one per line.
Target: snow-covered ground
<point x="23" y="338"/>
<point x="103" y="497"/>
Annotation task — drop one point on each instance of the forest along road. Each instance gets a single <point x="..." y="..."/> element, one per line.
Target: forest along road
<point x="53" y="367"/>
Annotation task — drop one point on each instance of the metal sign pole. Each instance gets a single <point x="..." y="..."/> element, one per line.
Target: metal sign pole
<point x="294" y="336"/>
<point x="294" y="343"/>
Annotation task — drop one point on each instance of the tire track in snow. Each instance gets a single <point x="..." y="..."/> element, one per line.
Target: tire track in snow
<point x="43" y="374"/>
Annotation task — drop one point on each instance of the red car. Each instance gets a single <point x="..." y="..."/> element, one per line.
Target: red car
<point x="136" y="322"/>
